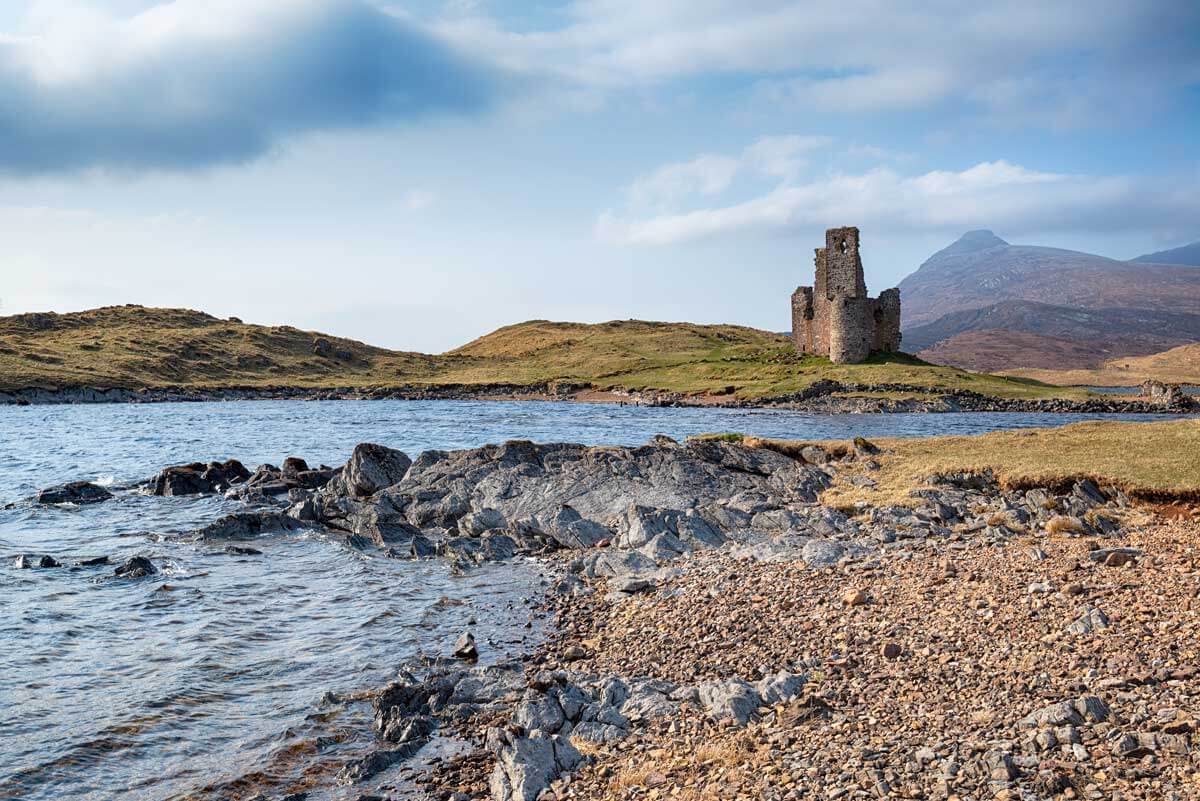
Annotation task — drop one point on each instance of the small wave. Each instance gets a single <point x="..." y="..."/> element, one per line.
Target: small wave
<point x="105" y="481"/>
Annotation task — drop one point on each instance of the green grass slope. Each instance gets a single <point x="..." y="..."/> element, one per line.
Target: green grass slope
<point x="134" y="347"/>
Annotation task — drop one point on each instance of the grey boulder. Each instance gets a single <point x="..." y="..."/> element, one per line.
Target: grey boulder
<point x="733" y="700"/>
<point x="374" y="467"/>
<point x="525" y="766"/>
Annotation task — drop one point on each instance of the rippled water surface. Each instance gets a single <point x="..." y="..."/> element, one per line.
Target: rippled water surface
<point x="208" y="677"/>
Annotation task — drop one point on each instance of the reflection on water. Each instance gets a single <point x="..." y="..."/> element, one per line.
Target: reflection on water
<point x="213" y="669"/>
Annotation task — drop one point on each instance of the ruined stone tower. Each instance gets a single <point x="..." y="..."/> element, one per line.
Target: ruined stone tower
<point x="835" y="318"/>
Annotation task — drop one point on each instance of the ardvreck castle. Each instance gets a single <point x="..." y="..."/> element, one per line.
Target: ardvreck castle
<point x="835" y="318"/>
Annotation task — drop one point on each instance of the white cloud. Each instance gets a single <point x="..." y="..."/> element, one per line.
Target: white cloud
<point x="710" y="174"/>
<point x="864" y="55"/>
<point x="783" y="156"/>
<point x="704" y="175"/>
<point x="990" y="194"/>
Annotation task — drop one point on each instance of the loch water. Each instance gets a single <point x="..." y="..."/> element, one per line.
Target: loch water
<point x="207" y="679"/>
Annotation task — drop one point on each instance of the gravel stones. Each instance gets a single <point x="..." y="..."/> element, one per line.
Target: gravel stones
<point x="988" y="697"/>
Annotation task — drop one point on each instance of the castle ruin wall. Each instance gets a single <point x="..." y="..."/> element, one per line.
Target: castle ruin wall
<point x="835" y="317"/>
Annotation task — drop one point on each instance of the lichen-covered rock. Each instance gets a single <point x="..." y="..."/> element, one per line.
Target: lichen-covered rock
<point x="781" y="687"/>
<point x="482" y="521"/>
<point x="539" y="712"/>
<point x="822" y="553"/>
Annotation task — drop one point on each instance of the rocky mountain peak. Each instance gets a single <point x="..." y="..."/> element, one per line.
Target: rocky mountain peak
<point x="972" y="241"/>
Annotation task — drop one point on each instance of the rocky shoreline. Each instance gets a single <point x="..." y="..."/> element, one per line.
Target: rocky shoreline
<point x="826" y="397"/>
<point x="722" y="634"/>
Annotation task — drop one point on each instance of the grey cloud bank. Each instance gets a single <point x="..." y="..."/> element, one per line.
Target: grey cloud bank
<point x="194" y="84"/>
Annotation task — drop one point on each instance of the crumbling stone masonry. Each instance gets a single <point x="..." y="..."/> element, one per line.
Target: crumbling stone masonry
<point x="835" y="318"/>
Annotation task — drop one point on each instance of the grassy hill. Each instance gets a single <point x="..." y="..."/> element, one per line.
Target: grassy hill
<point x="135" y="347"/>
<point x="1179" y="365"/>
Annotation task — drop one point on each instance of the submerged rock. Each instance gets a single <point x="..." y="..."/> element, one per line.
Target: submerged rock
<point x="28" y="562"/>
<point x="248" y="525"/>
<point x="198" y="478"/>
<point x="77" y="492"/>
<point x="136" y="567"/>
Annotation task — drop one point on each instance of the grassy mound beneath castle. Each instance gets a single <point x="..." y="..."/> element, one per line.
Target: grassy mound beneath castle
<point x="135" y="347"/>
<point x="1158" y="460"/>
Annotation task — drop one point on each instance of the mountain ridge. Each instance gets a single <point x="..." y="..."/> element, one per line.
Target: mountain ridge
<point x="984" y="304"/>
<point x="1185" y="254"/>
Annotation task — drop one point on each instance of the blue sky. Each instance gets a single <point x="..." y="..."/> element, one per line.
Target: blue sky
<point x="415" y="174"/>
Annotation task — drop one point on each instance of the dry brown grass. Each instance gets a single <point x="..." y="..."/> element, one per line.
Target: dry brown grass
<point x="999" y="520"/>
<point x="1062" y="524"/>
<point x="1152" y="461"/>
<point x="1179" y="365"/>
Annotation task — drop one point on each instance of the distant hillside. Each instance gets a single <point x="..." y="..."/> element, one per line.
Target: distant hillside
<point x="1044" y="335"/>
<point x="1178" y="365"/>
<point x="981" y="269"/>
<point x="1188" y="254"/>
<point x="996" y="350"/>
<point x="134" y="347"/>
<point x="984" y="304"/>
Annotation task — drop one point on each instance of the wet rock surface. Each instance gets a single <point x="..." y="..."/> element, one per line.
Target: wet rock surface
<point x="35" y="562"/>
<point x="135" y="568"/>
<point x="76" y="492"/>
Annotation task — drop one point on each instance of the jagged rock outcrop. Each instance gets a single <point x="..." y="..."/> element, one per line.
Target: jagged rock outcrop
<point x="658" y="501"/>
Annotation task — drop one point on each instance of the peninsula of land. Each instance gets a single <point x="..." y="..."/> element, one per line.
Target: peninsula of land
<point x="139" y="354"/>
